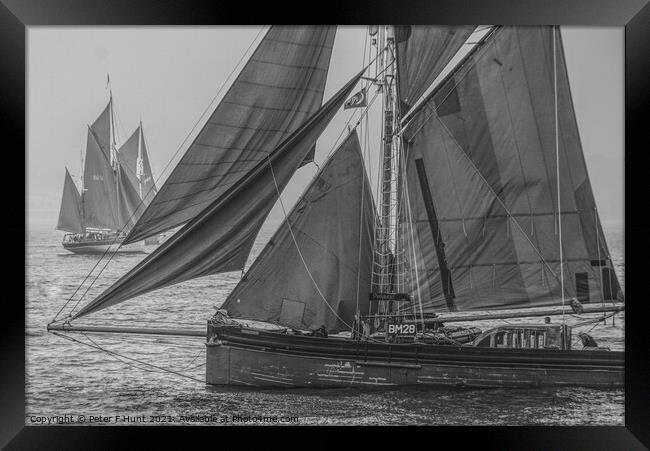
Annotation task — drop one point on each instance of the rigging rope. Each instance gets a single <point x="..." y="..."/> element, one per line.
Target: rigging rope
<point x="157" y="179"/>
<point x="433" y="113"/>
<point x="363" y="184"/>
<point x="496" y="196"/>
<point x="293" y="237"/>
<point x="365" y="111"/>
<point x="557" y="174"/>
<point x="596" y="322"/>
<point x="286" y="218"/>
<point x="115" y="354"/>
<point x="409" y="211"/>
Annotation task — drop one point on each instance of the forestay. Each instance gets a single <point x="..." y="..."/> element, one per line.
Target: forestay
<point x="220" y="237"/>
<point x="481" y="159"/>
<point x="280" y="86"/>
<point x="70" y="213"/>
<point x="333" y="228"/>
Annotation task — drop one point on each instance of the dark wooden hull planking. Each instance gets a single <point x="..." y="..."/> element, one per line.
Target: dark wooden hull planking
<point x="102" y="246"/>
<point x="248" y="357"/>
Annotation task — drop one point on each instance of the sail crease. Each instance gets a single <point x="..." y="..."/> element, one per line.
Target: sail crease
<point x="220" y="237"/>
<point x="263" y="106"/>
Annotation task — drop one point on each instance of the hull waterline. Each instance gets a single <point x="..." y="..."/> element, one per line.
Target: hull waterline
<point x="271" y="359"/>
<point x="101" y="247"/>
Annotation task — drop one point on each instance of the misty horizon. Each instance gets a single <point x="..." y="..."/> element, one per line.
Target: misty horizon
<point x="166" y="76"/>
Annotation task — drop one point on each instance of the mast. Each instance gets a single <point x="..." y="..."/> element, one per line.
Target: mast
<point x="384" y="277"/>
<point x="83" y="195"/>
<point x="139" y="171"/>
<point x="113" y="151"/>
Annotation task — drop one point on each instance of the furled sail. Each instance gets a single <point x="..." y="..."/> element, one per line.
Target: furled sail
<point x="100" y="199"/>
<point x="423" y="51"/>
<point x="481" y="165"/>
<point x="280" y="86"/>
<point x="70" y="214"/>
<point x="220" y="237"/>
<point x="333" y="228"/>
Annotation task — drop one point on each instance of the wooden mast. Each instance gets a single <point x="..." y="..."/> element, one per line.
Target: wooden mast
<point x="113" y="155"/>
<point x="386" y="235"/>
<point x="139" y="167"/>
<point x="83" y="195"/>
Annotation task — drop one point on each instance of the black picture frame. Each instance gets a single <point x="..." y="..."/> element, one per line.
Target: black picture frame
<point x="16" y="15"/>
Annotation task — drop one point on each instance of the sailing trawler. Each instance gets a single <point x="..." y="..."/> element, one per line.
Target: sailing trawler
<point x="483" y="209"/>
<point x="115" y="187"/>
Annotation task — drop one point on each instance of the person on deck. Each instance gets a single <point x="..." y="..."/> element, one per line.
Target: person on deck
<point x="356" y="326"/>
<point x="366" y="330"/>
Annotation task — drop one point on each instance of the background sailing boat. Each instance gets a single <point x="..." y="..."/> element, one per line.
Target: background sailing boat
<point x="223" y="188"/>
<point x="125" y="304"/>
<point x="116" y="186"/>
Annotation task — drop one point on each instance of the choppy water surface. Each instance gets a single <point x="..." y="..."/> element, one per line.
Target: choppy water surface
<point x="68" y="378"/>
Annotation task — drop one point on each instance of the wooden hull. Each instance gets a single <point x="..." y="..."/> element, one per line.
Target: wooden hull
<point x="101" y="246"/>
<point x="268" y="359"/>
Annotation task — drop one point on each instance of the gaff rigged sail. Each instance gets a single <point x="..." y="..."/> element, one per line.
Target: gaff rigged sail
<point x="332" y="224"/>
<point x="220" y="237"/>
<point x="70" y="213"/>
<point x="481" y="158"/>
<point x="100" y="198"/>
<point x="280" y="86"/>
<point x="101" y="129"/>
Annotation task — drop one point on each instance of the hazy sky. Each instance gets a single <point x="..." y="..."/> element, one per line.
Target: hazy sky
<point x="167" y="76"/>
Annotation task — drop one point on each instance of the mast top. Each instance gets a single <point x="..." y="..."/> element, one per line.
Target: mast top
<point x="109" y="87"/>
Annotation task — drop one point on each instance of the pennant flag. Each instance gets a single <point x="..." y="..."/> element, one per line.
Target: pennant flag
<point x="356" y="101"/>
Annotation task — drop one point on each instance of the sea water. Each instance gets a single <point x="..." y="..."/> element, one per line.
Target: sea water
<point x="67" y="382"/>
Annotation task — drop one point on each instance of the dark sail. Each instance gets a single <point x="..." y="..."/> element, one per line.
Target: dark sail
<point x="277" y="90"/>
<point x="482" y="184"/>
<point x="130" y="205"/>
<point x="100" y="199"/>
<point x="423" y="51"/>
<point x="128" y="157"/>
<point x="70" y="213"/>
<point x="101" y="128"/>
<point x="145" y="174"/>
<point x="333" y="227"/>
<point x="220" y="237"/>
